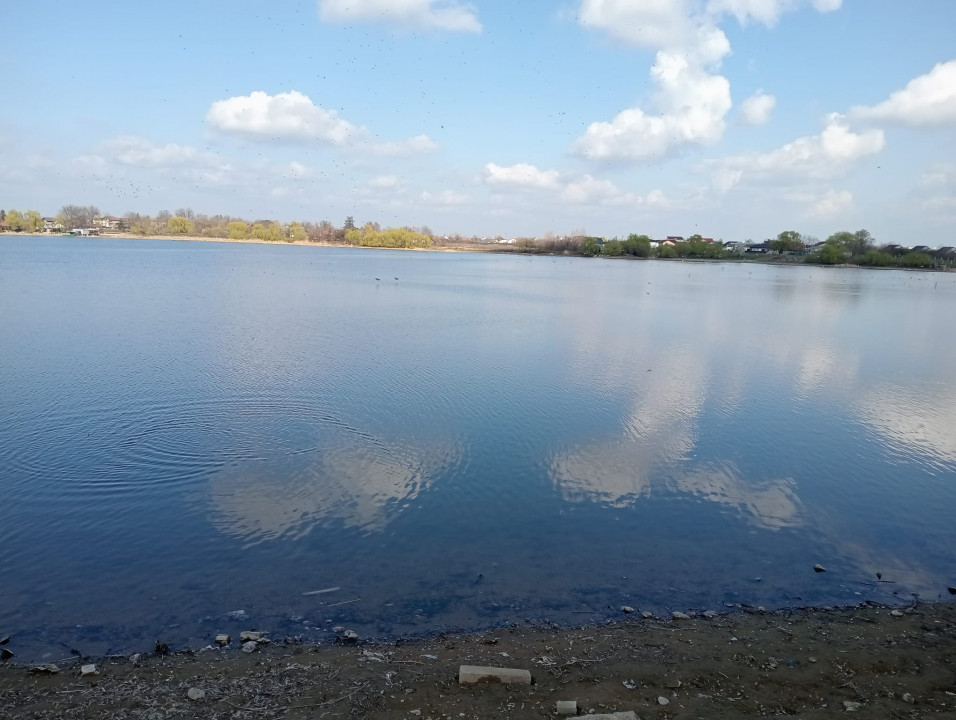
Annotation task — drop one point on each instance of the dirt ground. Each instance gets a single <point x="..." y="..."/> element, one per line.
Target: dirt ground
<point x="806" y="664"/>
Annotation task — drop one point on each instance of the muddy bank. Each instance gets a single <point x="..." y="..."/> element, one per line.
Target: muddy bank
<point x="878" y="661"/>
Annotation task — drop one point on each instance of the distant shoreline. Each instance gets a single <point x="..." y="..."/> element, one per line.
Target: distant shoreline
<point x="489" y="250"/>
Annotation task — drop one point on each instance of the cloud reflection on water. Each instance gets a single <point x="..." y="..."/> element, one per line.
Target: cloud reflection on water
<point x="357" y="484"/>
<point x="918" y="423"/>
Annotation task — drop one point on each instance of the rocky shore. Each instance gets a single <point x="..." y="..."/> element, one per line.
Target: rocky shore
<point x="877" y="661"/>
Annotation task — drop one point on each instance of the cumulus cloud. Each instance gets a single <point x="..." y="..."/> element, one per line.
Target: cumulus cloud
<point x="447" y="198"/>
<point x="521" y="175"/>
<point x="299" y="171"/>
<point x="293" y="117"/>
<point x="441" y="15"/>
<point x="418" y="145"/>
<point x="926" y="100"/>
<point x="577" y="190"/>
<point x="692" y="106"/>
<point x="831" y="153"/>
<point x="285" y="116"/>
<point x="383" y="182"/>
<point x="832" y="204"/>
<point x="692" y="99"/>
<point x="756" y="109"/>
<point x="651" y="24"/>
<point x="767" y="12"/>
<point x="131" y="150"/>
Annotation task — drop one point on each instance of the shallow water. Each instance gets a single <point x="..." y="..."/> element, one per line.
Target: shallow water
<point x="192" y="429"/>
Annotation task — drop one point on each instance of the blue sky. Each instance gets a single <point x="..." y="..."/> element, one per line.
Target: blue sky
<point x="733" y="118"/>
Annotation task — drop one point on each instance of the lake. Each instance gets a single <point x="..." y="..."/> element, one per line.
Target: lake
<point x="197" y="437"/>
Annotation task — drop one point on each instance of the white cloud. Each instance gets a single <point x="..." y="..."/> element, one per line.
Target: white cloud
<point x="521" y="175"/>
<point x="131" y="150"/>
<point x="299" y="171"/>
<point x="585" y="189"/>
<point x="692" y="105"/>
<point x="293" y="117"/>
<point x="692" y="100"/>
<point x="285" y="116"/>
<point x="767" y="12"/>
<point x="439" y="14"/>
<point x="938" y="175"/>
<point x="830" y="205"/>
<point x="831" y="153"/>
<point x="445" y="197"/>
<point x="383" y="182"/>
<point x="926" y="100"/>
<point x="756" y="109"/>
<point x="653" y="23"/>
<point x="418" y="145"/>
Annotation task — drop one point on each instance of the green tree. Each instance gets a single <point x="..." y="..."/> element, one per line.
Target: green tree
<point x="861" y="243"/>
<point x="637" y="245"/>
<point x="238" y="230"/>
<point x="589" y="247"/>
<point x="349" y="223"/>
<point x="33" y="221"/>
<point x="833" y="252"/>
<point x="297" y="232"/>
<point x="613" y="248"/>
<point x="843" y="239"/>
<point x="178" y="225"/>
<point x="16" y="220"/>
<point x="787" y="241"/>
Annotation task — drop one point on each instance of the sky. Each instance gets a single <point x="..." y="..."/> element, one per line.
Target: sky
<point x="735" y="119"/>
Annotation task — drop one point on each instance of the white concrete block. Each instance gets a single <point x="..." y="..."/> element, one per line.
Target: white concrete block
<point x="468" y="674"/>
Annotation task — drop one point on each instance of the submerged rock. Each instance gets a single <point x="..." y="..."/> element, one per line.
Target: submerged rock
<point x="680" y="616"/>
<point x="223" y="640"/>
<point x="250" y="646"/>
<point x="627" y="609"/>
<point x="251" y="636"/>
<point x="195" y="693"/>
<point x="5" y="654"/>
<point x="819" y="568"/>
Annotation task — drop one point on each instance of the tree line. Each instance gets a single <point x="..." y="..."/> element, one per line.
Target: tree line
<point x="843" y="247"/>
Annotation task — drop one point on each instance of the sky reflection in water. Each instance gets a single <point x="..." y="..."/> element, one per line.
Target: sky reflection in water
<point x="483" y="439"/>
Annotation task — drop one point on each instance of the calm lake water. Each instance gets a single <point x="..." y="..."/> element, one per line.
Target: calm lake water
<point x="456" y="441"/>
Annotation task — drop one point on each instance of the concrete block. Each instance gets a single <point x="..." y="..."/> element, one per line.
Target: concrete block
<point x="468" y="674"/>
<point x="567" y="707"/>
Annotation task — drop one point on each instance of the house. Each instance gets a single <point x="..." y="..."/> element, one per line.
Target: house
<point x="51" y="225"/>
<point x="922" y="249"/>
<point x="759" y="249"/>
<point x="708" y="240"/>
<point x="893" y="249"/>
<point x="946" y="252"/>
<point x="674" y="239"/>
<point x="108" y="222"/>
